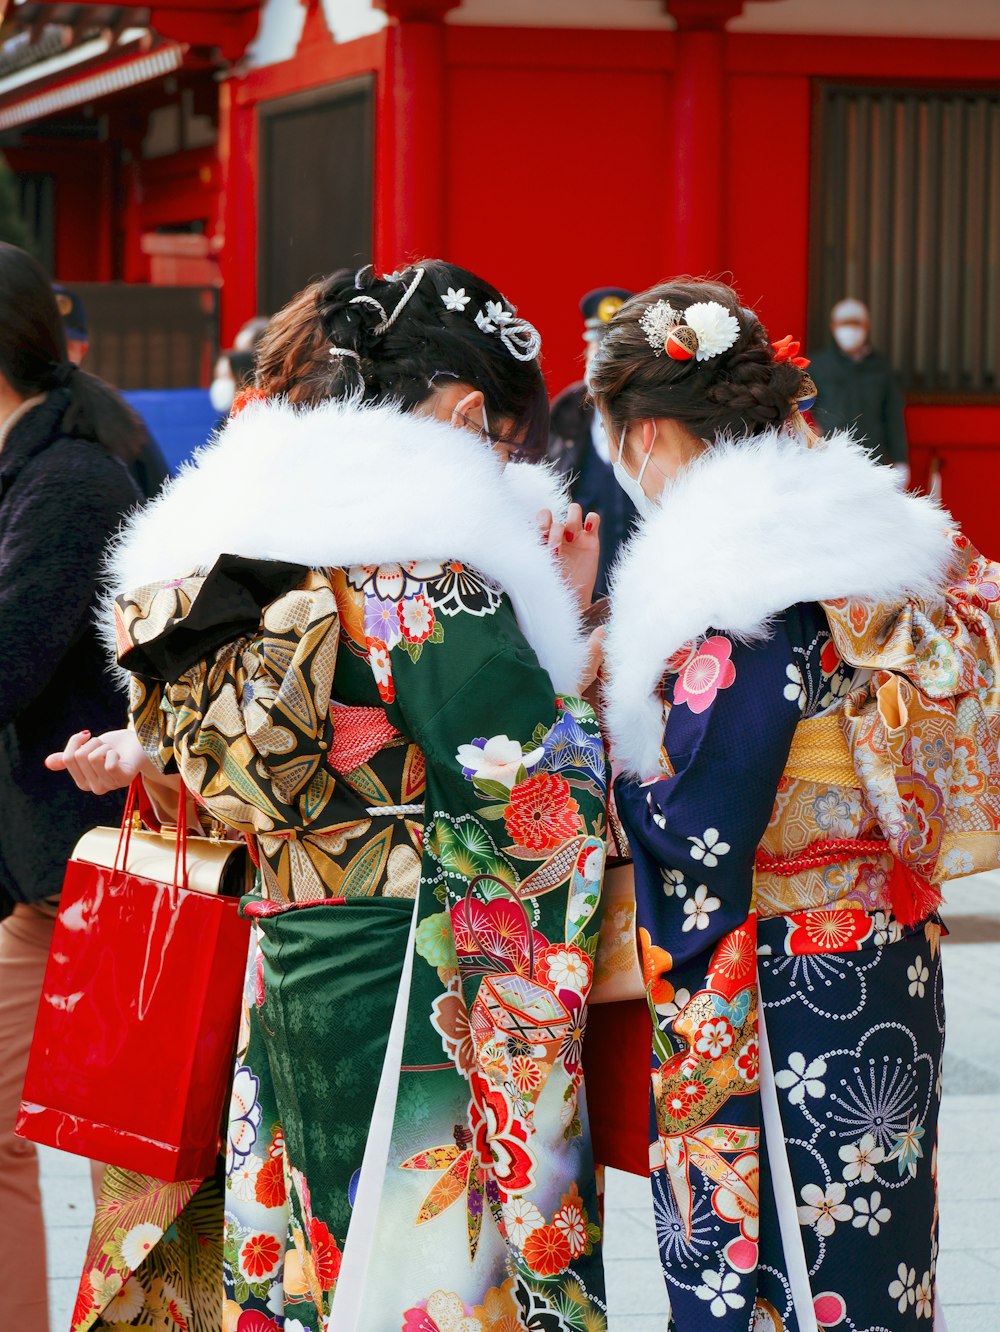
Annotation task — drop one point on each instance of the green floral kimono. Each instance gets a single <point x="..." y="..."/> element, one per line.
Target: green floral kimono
<point x="407" y="1142"/>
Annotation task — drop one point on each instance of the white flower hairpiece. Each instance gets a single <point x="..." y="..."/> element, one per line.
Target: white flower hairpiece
<point x="705" y="329"/>
<point x="521" y="339"/>
<point x="455" y="300"/>
<point x="716" y="328"/>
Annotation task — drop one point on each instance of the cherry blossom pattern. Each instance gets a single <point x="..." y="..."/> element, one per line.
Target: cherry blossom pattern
<point x="903" y="1290"/>
<point x="748" y="1062"/>
<point x="869" y="1213"/>
<point x="378" y="660"/>
<point x="698" y="909"/>
<point x="674" y="883"/>
<point x="708" y="848"/>
<point x="795" y="689"/>
<point x="416" y="619"/>
<point x="720" y="1291"/>
<point x="714" y="1038"/>
<point x="706" y="672"/>
<point x="917" y="974"/>
<point x="823" y="1208"/>
<point x="800" y="1079"/>
<point x="924" y="1296"/>
<point x="861" y="1158"/>
<point x="244" y="1116"/>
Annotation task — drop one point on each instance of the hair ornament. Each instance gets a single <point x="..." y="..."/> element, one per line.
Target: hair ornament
<point x="807" y="395"/>
<point x="345" y="351"/>
<point x="657" y="321"/>
<point x="681" y="343"/>
<point x="455" y="300"/>
<point x="716" y="328"/>
<point x="386" y="324"/>
<point x="787" y="349"/>
<point x="370" y="300"/>
<point x="521" y="339"/>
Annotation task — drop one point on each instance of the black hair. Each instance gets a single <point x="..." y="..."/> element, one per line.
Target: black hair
<point x="33" y="359"/>
<point x="395" y="339"/>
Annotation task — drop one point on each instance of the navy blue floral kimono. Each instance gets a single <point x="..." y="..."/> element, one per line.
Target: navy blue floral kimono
<point x="796" y="779"/>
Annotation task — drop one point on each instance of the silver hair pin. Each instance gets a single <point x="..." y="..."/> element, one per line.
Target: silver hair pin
<point x="386" y="324"/>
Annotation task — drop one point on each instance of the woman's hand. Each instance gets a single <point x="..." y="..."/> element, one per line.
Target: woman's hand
<point x="576" y="544"/>
<point x="101" y="763"/>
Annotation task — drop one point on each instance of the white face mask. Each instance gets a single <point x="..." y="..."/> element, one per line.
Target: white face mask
<point x="632" y="485"/>
<point x="850" y="337"/>
<point x="221" y="395"/>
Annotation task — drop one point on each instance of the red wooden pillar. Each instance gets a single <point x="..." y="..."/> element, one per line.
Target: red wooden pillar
<point x="411" y="178"/>
<point x="701" y="201"/>
<point x="236" y="225"/>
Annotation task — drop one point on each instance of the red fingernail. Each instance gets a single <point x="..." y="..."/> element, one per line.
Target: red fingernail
<point x="85" y="734"/>
<point x="555" y="550"/>
<point x="569" y="536"/>
<point x="588" y="527"/>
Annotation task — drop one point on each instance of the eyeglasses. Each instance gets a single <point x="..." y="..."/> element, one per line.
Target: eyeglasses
<point x="513" y="448"/>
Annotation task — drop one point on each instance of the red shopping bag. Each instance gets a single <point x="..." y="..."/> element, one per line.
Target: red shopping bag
<point x="133" y="1044"/>
<point x="616" y="1060"/>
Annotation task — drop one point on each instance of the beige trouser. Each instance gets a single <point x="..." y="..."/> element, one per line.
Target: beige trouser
<point x="24" y="948"/>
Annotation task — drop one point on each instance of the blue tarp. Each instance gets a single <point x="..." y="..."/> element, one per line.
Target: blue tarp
<point x="180" y="420"/>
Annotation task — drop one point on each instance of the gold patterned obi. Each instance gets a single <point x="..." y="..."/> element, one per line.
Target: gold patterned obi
<point x="823" y="846"/>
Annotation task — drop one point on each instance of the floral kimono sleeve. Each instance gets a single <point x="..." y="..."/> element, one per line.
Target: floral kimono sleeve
<point x="694" y="834"/>
<point x="507" y="926"/>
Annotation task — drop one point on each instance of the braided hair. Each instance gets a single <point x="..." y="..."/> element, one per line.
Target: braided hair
<point x="742" y="391"/>
<point x="395" y="339"/>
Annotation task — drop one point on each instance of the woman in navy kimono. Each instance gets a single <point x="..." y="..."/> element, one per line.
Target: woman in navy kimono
<point x="802" y="685"/>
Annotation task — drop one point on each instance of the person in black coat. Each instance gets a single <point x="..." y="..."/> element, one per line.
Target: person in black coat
<point x="578" y="447"/>
<point x="66" y="442"/>
<point x="858" y="389"/>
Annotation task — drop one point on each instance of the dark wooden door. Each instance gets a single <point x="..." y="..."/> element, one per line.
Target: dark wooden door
<point x="315" y="202"/>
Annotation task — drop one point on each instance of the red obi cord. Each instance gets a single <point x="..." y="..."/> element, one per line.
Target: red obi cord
<point x="912" y="897"/>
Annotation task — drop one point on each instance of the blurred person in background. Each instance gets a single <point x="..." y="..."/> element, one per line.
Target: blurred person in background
<point x="67" y="443"/>
<point x="149" y="467"/>
<point x="858" y="389"/>
<point x="251" y="334"/>
<point x="578" y="445"/>
<point x="234" y="371"/>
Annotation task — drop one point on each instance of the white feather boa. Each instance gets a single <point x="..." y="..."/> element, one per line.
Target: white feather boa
<point x="749" y="529"/>
<point x="340" y="485"/>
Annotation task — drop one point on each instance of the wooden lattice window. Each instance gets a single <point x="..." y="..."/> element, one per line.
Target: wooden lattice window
<point x="906" y="216"/>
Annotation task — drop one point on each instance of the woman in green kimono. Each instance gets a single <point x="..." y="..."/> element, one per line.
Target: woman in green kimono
<point x="347" y="637"/>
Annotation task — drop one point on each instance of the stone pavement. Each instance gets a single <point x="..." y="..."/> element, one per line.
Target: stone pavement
<point x="969" y="1268"/>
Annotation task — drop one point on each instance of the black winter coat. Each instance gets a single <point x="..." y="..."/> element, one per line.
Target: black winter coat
<point x="61" y="498"/>
<point x="863" y="396"/>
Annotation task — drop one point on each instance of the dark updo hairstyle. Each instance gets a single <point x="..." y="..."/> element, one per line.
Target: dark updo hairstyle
<point x="742" y="391"/>
<point x="33" y="359"/>
<point x="360" y="336"/>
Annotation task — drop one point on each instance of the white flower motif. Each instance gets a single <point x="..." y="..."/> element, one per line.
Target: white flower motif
<point x="957" y="863"/>
<point x="917" y="975"/>
<point x="139" y="1243"/>
<point x="568" y="970"/>
<point x="714" y="1038"/>
<point x="493" y="317"/>
<point x="717" y="329"/>
<point x="795" y="690"/>
<point x="498" y="760"/>
<point x="823" y="1210"/>
<point x="673" y="882"/>
<point x="127" y="1304"/>
<point x="378" y="659"/>
<point x="455" y="300"/>
<point x="924" y="1296"/>
<point x="862" y="1158"/>
<point x="656" y="321"/>
<point x="708" y="848"/>
<point x="698" y="908"/>
<point x="902" y="1290"/>
<point x="870" y="1212"/>
<point x="887" y="929"/>
<point x="674" y="1006"/>
<point x="655" y="813"/>
<point x="521" y="1218"/>
<point x="721" y="1290"/>
<point x="243" y="1180"/>
<point x="803" y="1081"/>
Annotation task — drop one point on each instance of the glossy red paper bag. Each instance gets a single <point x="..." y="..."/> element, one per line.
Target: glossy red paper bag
<point x="616" y="1063"/>
<point x="133" y="1044"/>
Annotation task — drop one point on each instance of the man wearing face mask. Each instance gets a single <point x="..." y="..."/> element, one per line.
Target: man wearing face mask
<point x="857" y="387"/>
<point x="234" y="371"/>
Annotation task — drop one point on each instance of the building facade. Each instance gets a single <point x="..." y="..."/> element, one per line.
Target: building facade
<point x="809" y="150"/>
